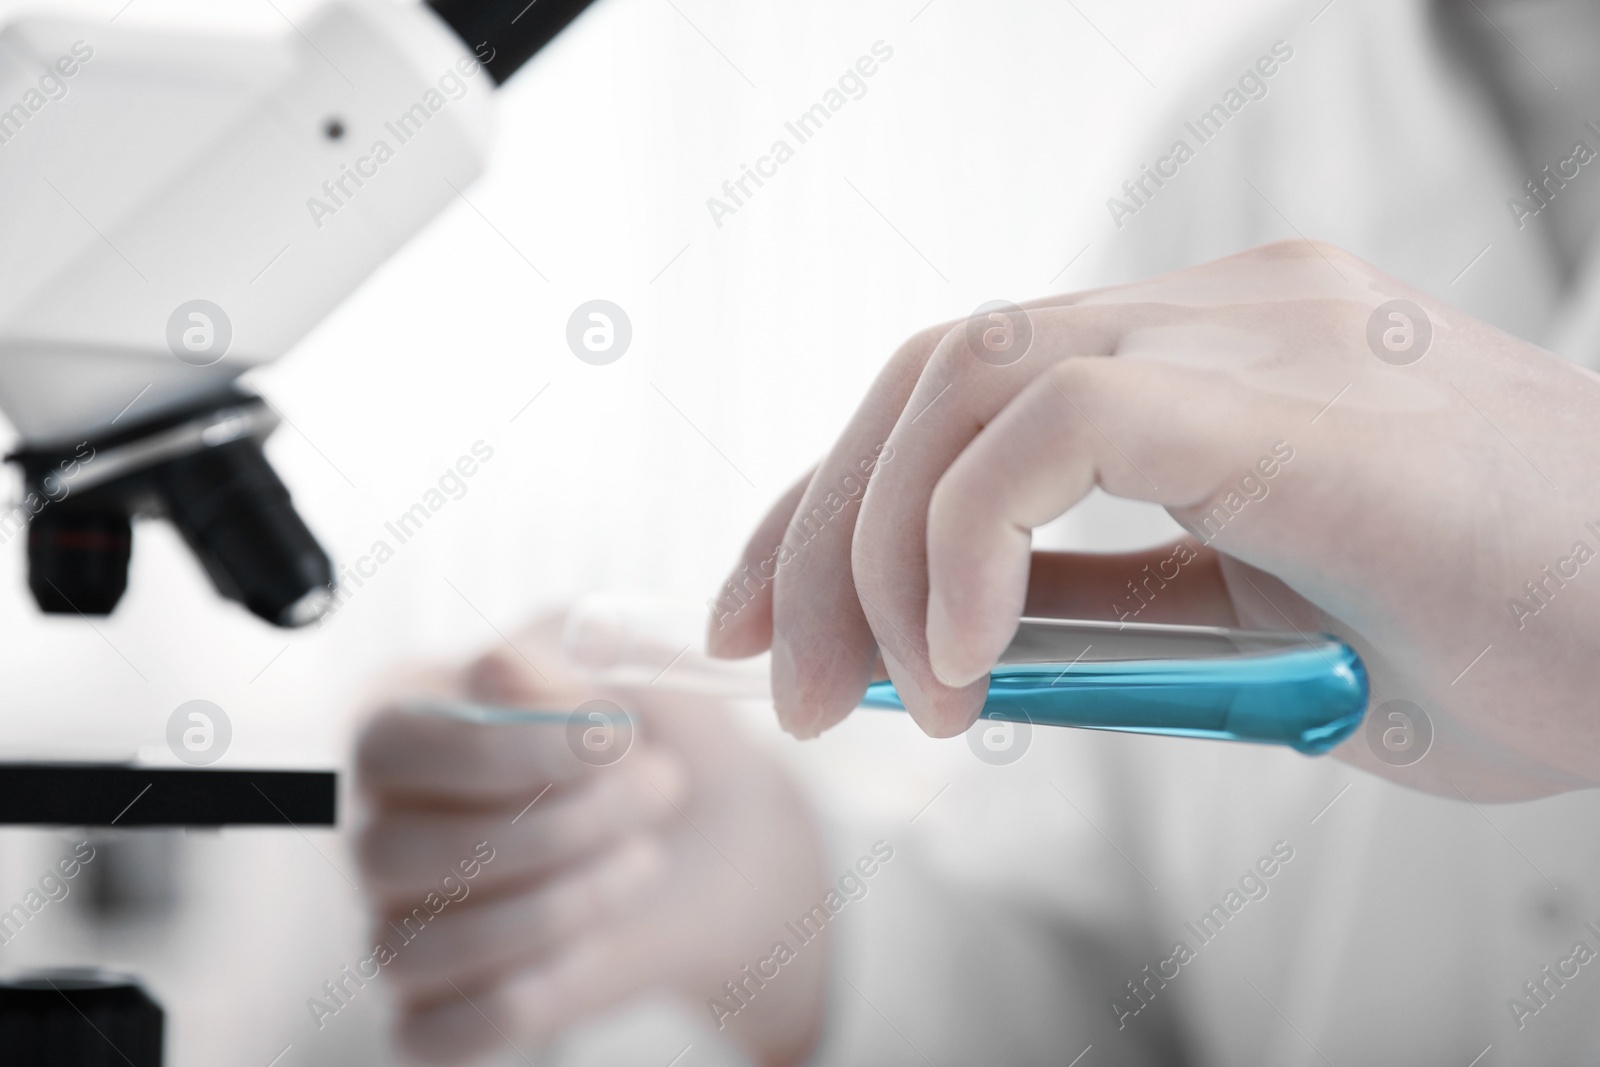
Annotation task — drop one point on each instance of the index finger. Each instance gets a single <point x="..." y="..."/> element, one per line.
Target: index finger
<point x="830" y="621"/>
<point x="960" y="390"/>
<point x="823" y="649"/>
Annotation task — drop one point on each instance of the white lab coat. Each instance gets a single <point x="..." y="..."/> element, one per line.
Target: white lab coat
<point x="1026" y="896"/>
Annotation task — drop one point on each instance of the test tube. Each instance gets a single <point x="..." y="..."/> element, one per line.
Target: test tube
<point x="1308" y="692"/>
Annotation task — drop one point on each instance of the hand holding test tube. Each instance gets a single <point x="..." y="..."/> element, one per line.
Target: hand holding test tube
<point x="1327" y="484"/>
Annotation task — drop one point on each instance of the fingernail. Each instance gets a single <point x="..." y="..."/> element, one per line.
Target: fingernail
<point x="796" y="718"/>
<point x="949" y="658"/>
<point x="951" y="675"/>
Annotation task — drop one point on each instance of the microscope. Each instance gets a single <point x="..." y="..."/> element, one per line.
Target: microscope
<point x="180" y="209"/>
<point x="177" y="210"/>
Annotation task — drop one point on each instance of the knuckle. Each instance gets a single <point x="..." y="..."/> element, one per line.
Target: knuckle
<point x="951" y="358"/>
<point x="925" y="340"/>
<point x="1325" y="250"/>
<point x="1083" y="390"/>
<point x="1299" y="250"/>
<point x="1079" y="379"/>
<point x="916" y="353"/>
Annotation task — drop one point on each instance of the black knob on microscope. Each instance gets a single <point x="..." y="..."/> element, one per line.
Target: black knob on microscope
<point x="78" y="1018"/>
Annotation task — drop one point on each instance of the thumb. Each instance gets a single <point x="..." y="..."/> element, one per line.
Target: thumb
<point x="1180" y="582"/>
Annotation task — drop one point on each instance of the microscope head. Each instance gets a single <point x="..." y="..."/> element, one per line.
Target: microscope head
<point x="180" y="210"/>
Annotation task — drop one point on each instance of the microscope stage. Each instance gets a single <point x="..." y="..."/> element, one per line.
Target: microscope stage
<point x="112" y="794"/>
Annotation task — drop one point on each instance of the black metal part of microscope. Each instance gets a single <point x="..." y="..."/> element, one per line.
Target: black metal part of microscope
<point x="504" y="34"/>
<point x="203" y="468"/>
<point x="79" y="1017"/>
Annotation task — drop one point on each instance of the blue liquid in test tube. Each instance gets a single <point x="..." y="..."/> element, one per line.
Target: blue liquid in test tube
<point x="1309" y="693"/>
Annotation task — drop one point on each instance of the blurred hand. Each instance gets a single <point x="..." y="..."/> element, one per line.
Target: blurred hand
<point x="669" y="869"/>
<point x="1397" y="479"/>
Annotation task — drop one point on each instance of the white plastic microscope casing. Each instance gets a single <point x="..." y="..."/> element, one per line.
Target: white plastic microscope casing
<point x="179" y="167"/>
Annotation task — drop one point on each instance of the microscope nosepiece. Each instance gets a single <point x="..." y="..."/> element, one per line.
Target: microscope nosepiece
<point x="203" y="469"/>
